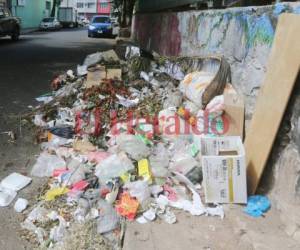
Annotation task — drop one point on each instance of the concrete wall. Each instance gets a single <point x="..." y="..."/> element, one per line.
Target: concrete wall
<point x="31" y="12"/>
<point x="244" y="36"/>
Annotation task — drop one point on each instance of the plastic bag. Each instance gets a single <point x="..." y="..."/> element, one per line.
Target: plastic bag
<point x="40" y="232"/>
<point x="92" y="59"/>
<point x="39" y="121"/>
<point x="82" y="70"/>
<point x="65" y="117"/>
<point x="132" y="51"/>
<point x="257" y="205"/>
<point x="194" y="84"/>
<point x="55" y="141"/>
<point x="46" y="164"/>
<point x="108" y="218"/>
<point x="64" y="131"/>
<point x="126" y="102"/>
<point x="159" y="161"/>
<point x="57" y="233"/>
<point x="183" y="160"/>
<point x="98" y="156"/>
<point x="133" y="146"/>
<point x="20" y="205"/>
<point x="139" y="190"/>
<point x="55" y="192"/>
<point x="112" y="167"/>
<point x="216" y="105"/>
<point x="174" y="99"/>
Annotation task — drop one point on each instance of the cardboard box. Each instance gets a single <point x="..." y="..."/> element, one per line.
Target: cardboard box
<point x="224" y="170"/>
<point x="115" y="74"/>
<point x="95" y="76"/>
<point x="234" y="114"/>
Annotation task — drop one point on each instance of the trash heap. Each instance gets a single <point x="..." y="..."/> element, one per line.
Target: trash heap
<point x="132" y="137"/>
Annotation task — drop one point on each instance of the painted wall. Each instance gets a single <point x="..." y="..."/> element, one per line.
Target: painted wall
<point x="243" y="35"/>
<point x="31" y="12"/>
<point x="104" y="7"/>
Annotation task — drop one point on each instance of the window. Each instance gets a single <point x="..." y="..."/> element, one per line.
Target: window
<point x="101" y="19"/>
<point x="80" y="5"/>
<point x="91" y="5"/>
<point x="48" y="5"/>
<point x="48" y="20"/>
<point x="103" y="5"/>
<point x="21" y="2"/>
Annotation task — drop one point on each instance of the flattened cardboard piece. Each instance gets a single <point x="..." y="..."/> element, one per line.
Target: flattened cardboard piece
<point x="234" y="115"/>
<point x="95" y="76"/>
<point x="275" y="92"/>
<point x="115" y="74"/>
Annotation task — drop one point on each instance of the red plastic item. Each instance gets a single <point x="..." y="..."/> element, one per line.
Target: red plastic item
<point x="127" y="206"/>
<point x="80" y="185"/>
<point x="60" y="171"/>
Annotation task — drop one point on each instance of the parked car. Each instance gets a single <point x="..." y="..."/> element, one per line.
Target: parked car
<point x="50" y="23"/>
<point x="9" y="25"/>
<point x="100" y="26"/>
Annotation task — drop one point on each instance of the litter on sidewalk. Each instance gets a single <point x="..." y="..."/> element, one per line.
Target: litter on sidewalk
<point x="134" y="140"/>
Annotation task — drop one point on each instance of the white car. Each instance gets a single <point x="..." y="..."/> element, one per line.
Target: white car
<point x="50" y="23"/>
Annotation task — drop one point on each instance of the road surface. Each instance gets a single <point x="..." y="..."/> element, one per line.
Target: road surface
<point x="27" y="66"/>
<point x="26" y="69"/>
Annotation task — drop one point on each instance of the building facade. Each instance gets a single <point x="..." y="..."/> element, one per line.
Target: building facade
<point x="104" y="7"/>
<point x="3" y="3"/>
<point x="31" y="12"/>
<point x="87" y="8"/>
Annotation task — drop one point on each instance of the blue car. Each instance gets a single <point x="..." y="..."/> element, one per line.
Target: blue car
<point x="100" y="26"/>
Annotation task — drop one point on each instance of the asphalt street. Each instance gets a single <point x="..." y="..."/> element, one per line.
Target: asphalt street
<point x="27" y="66"/>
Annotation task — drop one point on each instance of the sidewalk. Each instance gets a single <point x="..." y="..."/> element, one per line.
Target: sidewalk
<point x="28" y="30"/>
<point x="236" y="231"/>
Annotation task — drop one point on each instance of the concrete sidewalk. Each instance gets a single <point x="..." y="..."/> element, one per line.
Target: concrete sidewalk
<point x="236" y="231"/>
<point x="28" y="30"/>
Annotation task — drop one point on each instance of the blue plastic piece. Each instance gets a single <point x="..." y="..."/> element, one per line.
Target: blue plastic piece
<point x="257" y="205"/>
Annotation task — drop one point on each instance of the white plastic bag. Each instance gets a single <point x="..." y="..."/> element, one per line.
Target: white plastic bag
<point x="194" y="85"/>
<point x="133" y="146"/>
<point x="108" y="218"/>
<point x="20" y="205"/>
<point x="139" y="190"/>
<point x="159" y="161"/>
<point x="113" y="166"/>
<point x="46" y="164"/>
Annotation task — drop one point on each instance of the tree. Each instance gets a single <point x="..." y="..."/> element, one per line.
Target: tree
<point x="125" y="11"/>
<point x="56" y="3"/>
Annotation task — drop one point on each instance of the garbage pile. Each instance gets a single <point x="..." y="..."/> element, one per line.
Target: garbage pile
<point x="128" y="137"/>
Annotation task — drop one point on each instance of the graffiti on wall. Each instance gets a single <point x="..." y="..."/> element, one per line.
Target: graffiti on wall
<point x="209" y="31"/>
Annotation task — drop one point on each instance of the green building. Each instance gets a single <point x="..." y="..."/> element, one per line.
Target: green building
<point x="31" y="12"/>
